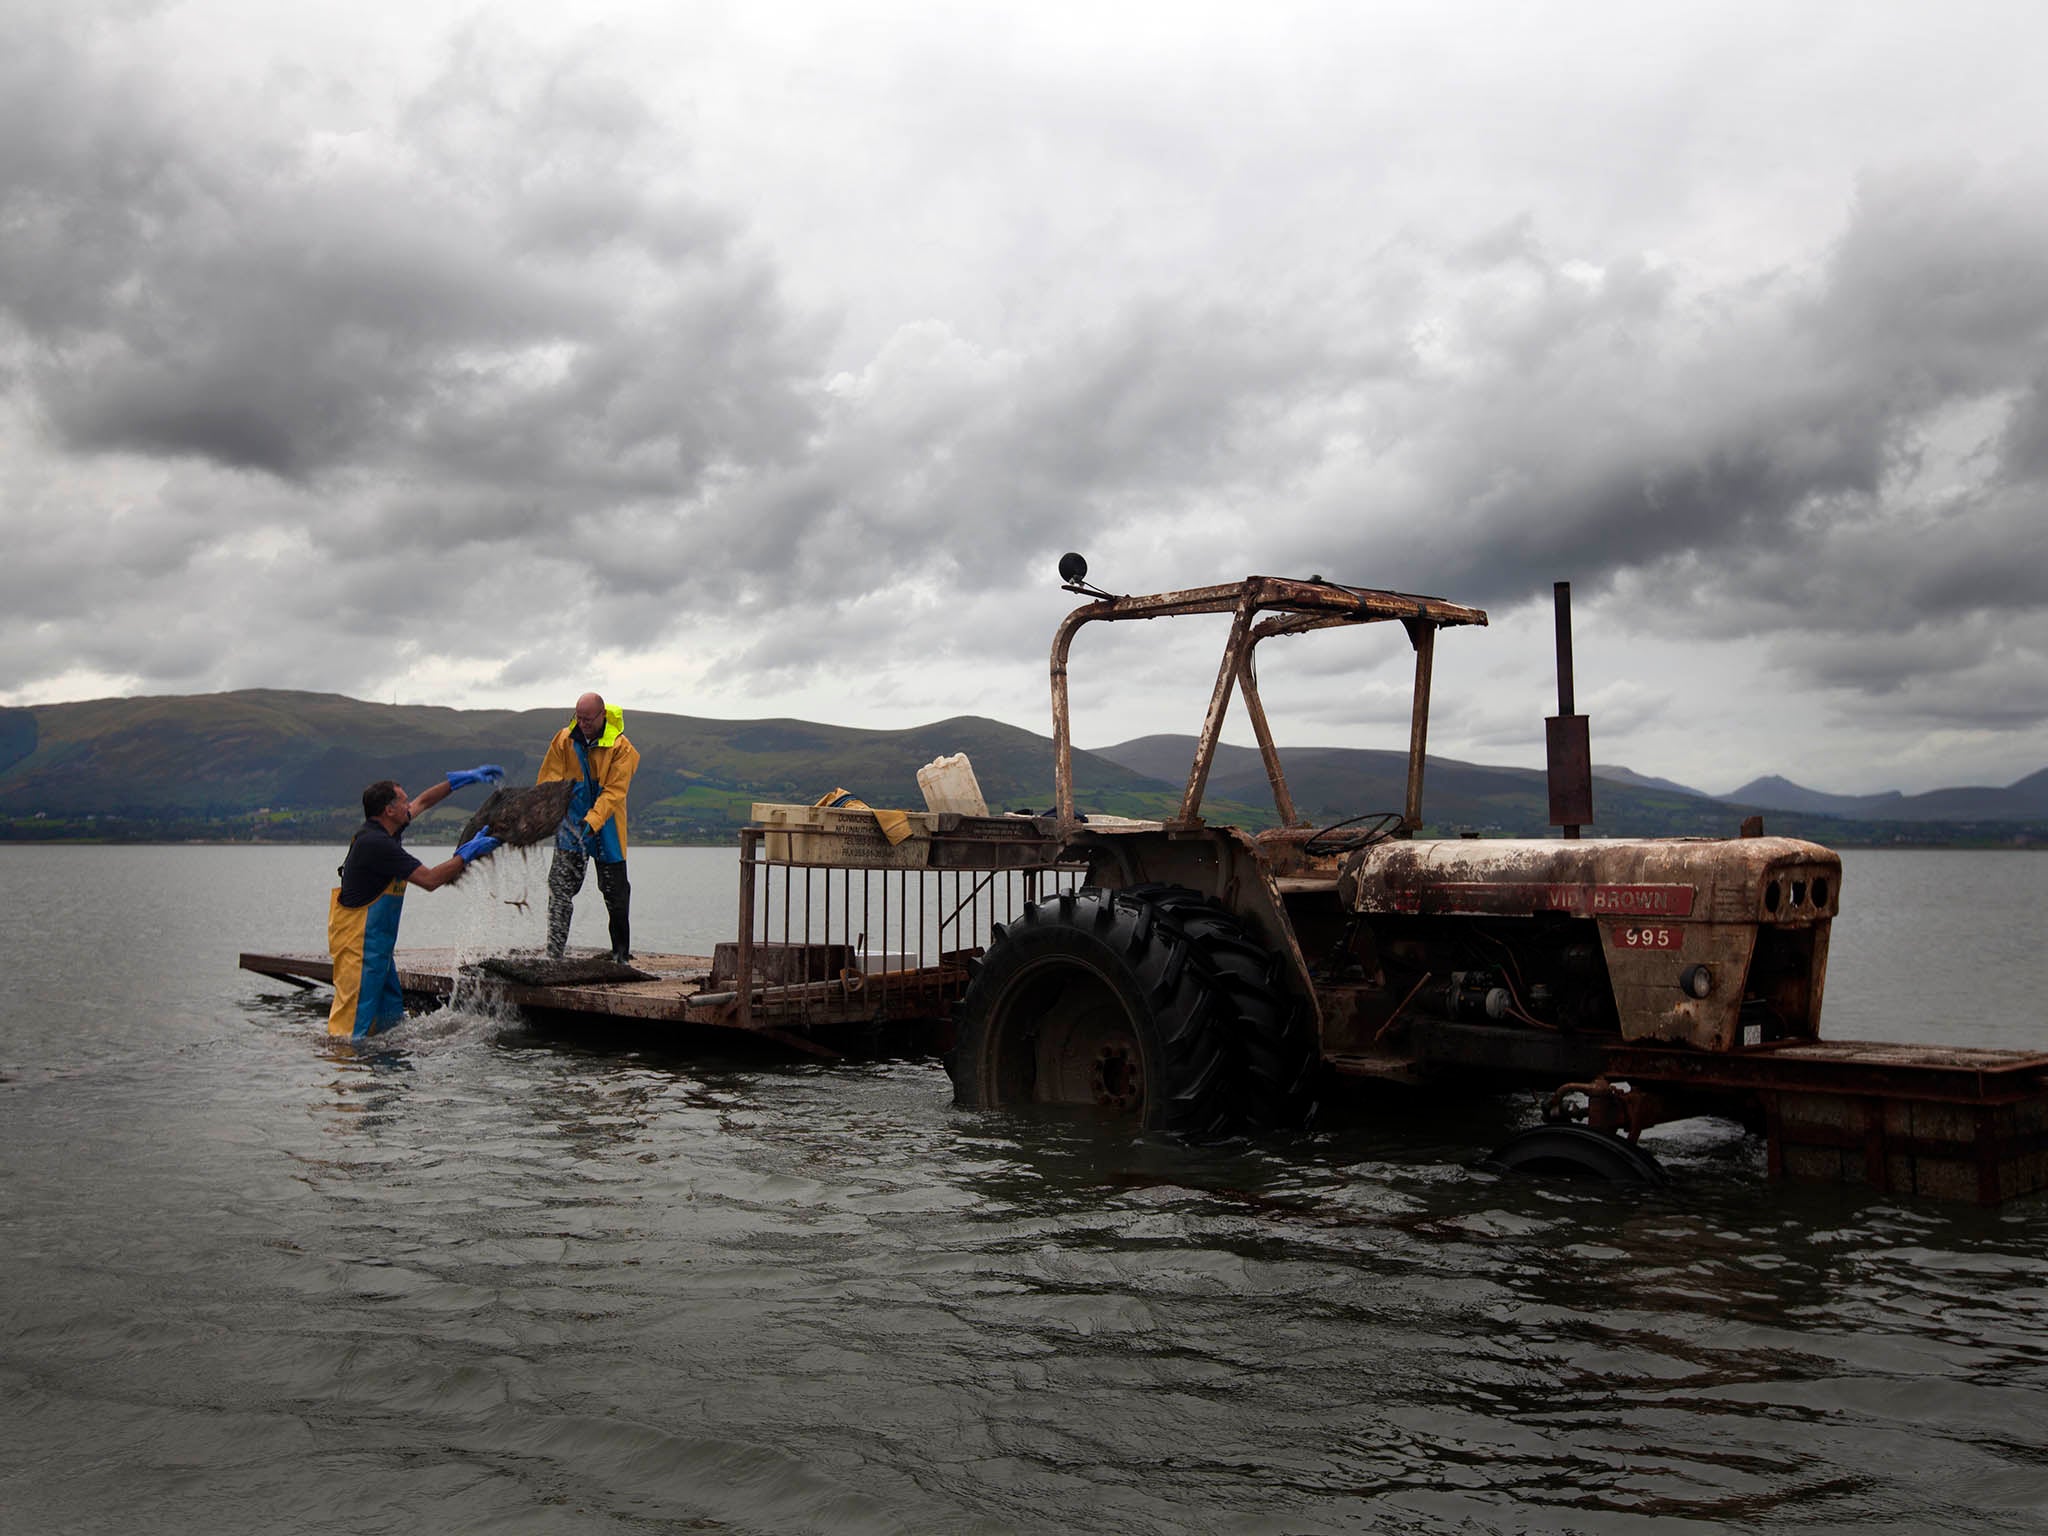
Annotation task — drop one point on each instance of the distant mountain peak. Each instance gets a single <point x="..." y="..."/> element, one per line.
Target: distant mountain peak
<point x="1775" y="792"/>
<point x="1621" y="775"/>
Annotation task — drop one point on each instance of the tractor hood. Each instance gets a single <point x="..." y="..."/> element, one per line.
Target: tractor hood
<point x="1749" y="879"/>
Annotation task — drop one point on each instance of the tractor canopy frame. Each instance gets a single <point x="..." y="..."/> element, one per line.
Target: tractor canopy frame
<point x="1288" y="607"/>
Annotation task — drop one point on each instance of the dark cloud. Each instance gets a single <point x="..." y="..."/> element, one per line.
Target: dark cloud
<point x="399" y="371"/>
<point x="1796" y="456"/>
<point x="272" y="298"/>
<point x="2023" y="445"/>
<point x="315" y="388"/>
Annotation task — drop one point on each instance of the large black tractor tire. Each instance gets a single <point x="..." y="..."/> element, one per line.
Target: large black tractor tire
<point x="1273" y="1038"/>
<point x="1131" y="1004"/>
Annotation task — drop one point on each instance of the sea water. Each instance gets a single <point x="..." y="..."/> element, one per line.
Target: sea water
<point x="474" y="1278"/>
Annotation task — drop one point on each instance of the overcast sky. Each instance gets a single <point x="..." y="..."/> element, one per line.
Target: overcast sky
<point x="761" y="359"/>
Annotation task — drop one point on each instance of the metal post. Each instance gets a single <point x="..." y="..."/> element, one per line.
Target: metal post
<point x="1248" y="690"/>
<point x="1423" y="635"/>
<point x="1562" y="596"/>
<point x="1219" y="706"/>
<point x="743" y="965"/>
<point x="1567" y="739"/>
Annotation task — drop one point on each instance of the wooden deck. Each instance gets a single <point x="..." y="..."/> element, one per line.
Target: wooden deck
<point x="680" y="993"/>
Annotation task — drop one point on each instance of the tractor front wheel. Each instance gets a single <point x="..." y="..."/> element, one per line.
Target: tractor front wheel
<point x="1575" y="1152"/>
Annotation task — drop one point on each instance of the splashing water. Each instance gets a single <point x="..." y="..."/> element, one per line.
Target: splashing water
<point x="499" y="914"/>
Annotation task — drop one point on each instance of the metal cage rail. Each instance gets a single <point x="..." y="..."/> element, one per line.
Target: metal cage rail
<point x="827" y="942"/>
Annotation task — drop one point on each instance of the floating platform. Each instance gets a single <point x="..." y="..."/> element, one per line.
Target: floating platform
<point x="803" y="997"/>
<point x="1960" y="1123"/>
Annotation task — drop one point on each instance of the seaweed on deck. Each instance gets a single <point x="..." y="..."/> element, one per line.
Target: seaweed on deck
<point x="537" y="971"/>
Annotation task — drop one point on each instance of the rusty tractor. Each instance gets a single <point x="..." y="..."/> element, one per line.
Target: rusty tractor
<point x="1205" y="980"/>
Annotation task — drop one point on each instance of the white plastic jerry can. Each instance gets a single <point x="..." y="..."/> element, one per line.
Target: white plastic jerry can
<point x="949" y="785"/>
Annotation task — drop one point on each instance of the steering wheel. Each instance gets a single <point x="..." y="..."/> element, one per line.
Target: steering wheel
<point x="1354" y="832"/>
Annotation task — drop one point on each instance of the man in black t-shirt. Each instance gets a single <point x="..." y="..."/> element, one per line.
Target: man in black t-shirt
<point x="364" y="907"/>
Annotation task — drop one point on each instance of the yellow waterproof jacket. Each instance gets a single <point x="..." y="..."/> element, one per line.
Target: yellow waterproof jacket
<point x="612" y="762"/>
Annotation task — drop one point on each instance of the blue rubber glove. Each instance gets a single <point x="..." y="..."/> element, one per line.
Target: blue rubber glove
<point x="462" y="778"/>
<point x="478" y="846"/>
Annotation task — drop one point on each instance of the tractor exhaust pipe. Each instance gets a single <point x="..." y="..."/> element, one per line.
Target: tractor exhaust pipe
<point x="1567" y="737"/>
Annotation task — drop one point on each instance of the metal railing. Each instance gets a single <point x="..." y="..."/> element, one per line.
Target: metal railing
<point x="844" y="940"/>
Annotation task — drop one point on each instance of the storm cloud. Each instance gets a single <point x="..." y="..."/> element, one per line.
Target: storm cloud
<point x="513" y="368"/>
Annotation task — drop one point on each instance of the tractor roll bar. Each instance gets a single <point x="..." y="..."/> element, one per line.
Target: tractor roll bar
<point x="1294" y="607"/>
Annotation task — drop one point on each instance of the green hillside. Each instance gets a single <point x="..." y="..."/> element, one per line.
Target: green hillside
<point x="277" y="766"/>
<point x="281" y="766"/>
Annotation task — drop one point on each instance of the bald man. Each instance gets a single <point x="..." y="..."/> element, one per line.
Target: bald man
<point x="591" y="750"/>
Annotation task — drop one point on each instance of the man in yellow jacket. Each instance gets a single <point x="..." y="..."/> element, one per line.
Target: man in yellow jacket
<point x="592" y="750"/>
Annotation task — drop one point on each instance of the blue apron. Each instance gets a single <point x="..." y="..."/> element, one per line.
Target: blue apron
<point x="572" y="835"/>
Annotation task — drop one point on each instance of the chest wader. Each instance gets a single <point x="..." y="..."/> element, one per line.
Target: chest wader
<point x="363" y="942"/>
<point x="575" y="846"/>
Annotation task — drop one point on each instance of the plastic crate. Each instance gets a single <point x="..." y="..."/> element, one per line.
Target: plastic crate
<point x="841" y="837"/>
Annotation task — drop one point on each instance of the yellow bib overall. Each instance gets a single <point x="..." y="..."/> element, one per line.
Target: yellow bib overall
<point x="363" y="942"/>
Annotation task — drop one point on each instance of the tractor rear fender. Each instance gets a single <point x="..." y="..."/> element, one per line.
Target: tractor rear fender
<point x="1221" y="863"/>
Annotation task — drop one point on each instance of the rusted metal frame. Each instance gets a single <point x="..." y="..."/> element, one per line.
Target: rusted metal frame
<point x="1568" y="765"/>
<point x="1774" y="1137"/>
<point x="1991" y="1155"/>
<point x="1422" y="635"/>
<point x="1312" y="605"/>
<point x="901" y="876"/>
<point x="1297" y="624"/>
<point x="1874" y="1144"/>
<point x="1876" y="1166"/>
<point x="881" y="963"/>
<point x="1234" y="658"/>
<point x="1201" y="600"/>
<point x="1293" y="623"/>
<point x="1780" y="1072"/>
<point x="1284" y="593"/>
<point x="1567" y="695"/>
<point x="1357" y="604"/>
<point x="1248" y="686"/>
<point x="1984" y="1141"/>
<point x="743" y="962"/>
<point x="1362" y="604"/>
<point x="961" y="901"/>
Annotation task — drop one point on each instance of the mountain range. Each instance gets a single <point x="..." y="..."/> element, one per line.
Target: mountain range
<point x="2024" y="800"/>
<point x="268" y="764"/>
